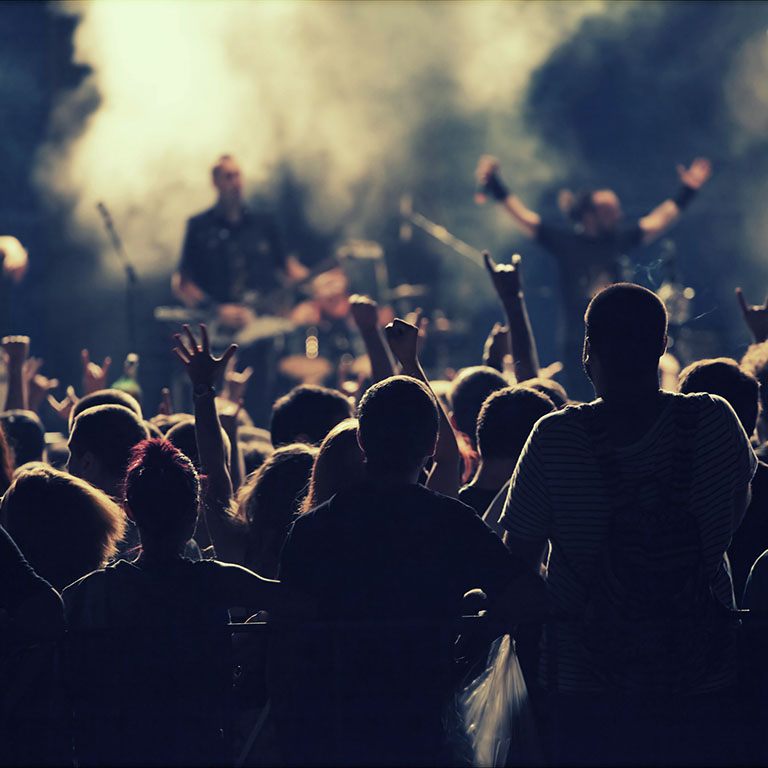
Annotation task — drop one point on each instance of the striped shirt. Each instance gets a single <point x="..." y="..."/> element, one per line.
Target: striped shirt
<point x="557" y="492"/>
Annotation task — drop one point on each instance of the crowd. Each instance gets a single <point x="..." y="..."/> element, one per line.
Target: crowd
<point x="186" y="588"/>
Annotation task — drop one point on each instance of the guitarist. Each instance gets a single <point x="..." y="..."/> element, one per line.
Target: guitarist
<point x="231" y="253"/>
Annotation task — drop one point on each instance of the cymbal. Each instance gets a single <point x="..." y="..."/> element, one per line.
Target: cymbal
<point x="407" y="291"/>
<point x="305" y="369"/>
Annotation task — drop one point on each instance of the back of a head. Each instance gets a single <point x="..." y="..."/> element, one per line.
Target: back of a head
<point x="554" y="390"/>
<point x="105" y="397"/>
<point x="306" y="414"/>
<point x="65" y="527"/>
<point x="469" y="391"/>
<point x="507" y="418"/>
<point x="109" y="432"/>
<point x="270" y="497"/>
<point x="161" y="489"/>
<point x="182" y="435"/>
<point x="626" y="326"/>
<point x="339" y="464"/>
<point x="25" y="435"/>
<point x="722" y="376"/>
<point x="397" y="424"/>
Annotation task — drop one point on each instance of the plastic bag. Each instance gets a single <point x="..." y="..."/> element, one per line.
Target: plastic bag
<point x="494" y="714"/>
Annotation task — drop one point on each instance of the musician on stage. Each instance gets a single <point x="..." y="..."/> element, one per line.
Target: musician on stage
<point x="231" y="262"/>
<point x="589" y="254"/>
<point x="232" y="255"/>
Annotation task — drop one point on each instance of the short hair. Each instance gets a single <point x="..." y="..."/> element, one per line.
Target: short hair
<point x="626" y="325"/>
<point x="105" y="397"/>
<point x="469" y="391"/>
<point x="65" y="527"/>
<point x="755" y="362"/>
<point x="306" y="414"/>
<point x="339" y="464"/>
<point x="507" y="418"/>
<point x="183" y="436"/>
<point x="216" y="170"/>
<point x="109" y="432"/>
<point x="25" y="434"/>
<point x="397" y="424"/>
<point x="161" y="488"/>
<point x="554" y="390"/>
<point x="723" y="376"/>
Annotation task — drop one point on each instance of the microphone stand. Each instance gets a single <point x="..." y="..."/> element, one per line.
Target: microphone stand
<point x="410" y="218"/>
<point x="131" y="279"/>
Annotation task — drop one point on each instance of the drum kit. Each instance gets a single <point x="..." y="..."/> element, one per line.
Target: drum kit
<point x="316" y="337"/>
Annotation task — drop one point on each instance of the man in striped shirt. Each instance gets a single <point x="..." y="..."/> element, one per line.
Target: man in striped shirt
<point x="656" y="453"/>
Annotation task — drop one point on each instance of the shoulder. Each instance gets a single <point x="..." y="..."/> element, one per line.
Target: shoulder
<point x="568" y="420"/>
<point x="202" y="219"/>
<point x="705" y="405"/>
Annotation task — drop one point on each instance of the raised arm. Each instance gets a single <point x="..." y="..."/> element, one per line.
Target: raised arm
<point x="403" y="339"/>
<point x="506" y="279"/>
<point x="204" y="371"/>
<point x="365" y="313"/>
<point x="489" y="183"/>
<point x="661" y="218"/>
<point x="16" y="349"/>
<point x="755" y="316"/>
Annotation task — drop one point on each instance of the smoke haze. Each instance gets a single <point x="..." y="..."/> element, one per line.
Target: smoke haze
<point x="334" y="92"/>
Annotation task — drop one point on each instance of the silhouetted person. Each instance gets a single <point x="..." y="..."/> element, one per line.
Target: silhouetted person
<point x="387" y="564"/>
<point x="638" y="495"/>
<point x="590" y="253"/>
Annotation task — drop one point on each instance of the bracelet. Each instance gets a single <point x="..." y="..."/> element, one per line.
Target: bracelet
<point x="496" y="188"/>
<point x="684" y="196"/>
<point x="209" y="390"/>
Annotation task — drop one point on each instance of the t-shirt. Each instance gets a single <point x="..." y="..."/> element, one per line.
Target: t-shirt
<point x="586" y="263"/>
<point x="227" y="260"/>
<point x="557" y="493"/>
<point x="151" y="663"/>
<point x="388" y="569"/>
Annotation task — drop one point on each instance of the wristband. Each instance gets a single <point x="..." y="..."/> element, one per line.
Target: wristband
<point x="684" y="196"/>
<point x="495" y="188"/>
<point x="205" y="392"/>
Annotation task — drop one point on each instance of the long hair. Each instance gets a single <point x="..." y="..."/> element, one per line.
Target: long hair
<point x="339" y="464"/>
<point x="65" y="527"/>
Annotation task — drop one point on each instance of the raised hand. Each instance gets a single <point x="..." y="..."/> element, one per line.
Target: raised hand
<point x="64" y="407"/>
<point x="403" y="340"/>
<point x="487" y="166"/>
<point x="94" y="376"/>
<point x="696" y="174"/>
<point x="38" y="386"/>
<point x="235" y="383"/>
<point x="203" y="369"/>
<point x="506" y="278"/>
<point x="365" y="311"/>
<point x="16" y="349"/>
<point x="755" y="316"/>
<point x="16" y="352"/>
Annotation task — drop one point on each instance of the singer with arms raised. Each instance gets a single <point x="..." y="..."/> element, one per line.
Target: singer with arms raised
<point x="589" y="253"/>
